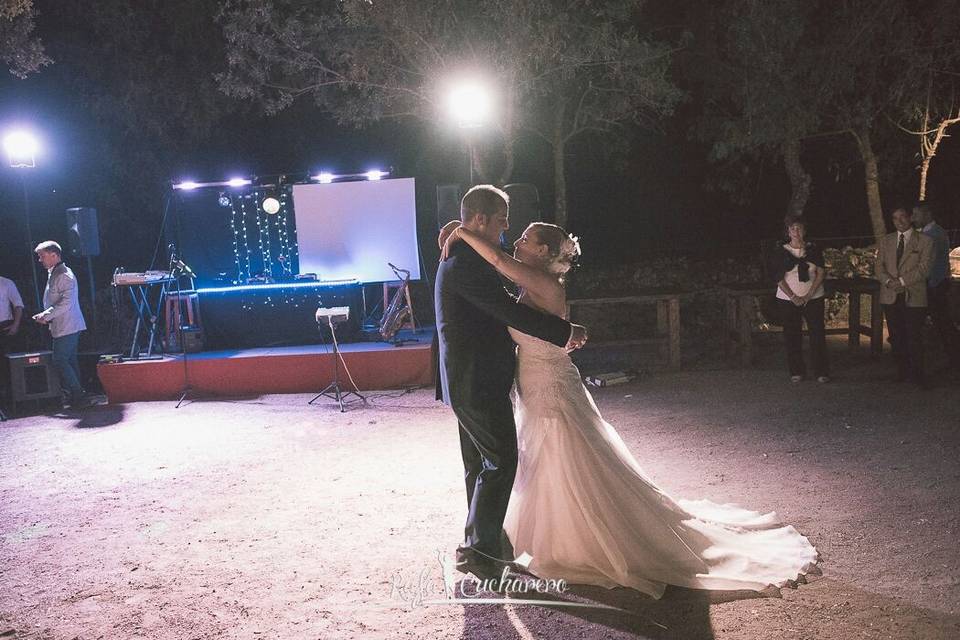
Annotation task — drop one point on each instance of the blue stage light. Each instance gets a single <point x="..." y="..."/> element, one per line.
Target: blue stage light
<point x="279" y="285"/>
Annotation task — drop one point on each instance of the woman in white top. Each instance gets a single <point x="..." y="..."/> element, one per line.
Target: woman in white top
<point x="800" y="276"/>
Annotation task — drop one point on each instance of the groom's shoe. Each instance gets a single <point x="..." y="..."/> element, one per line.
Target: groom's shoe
<point x="469" y="561"/>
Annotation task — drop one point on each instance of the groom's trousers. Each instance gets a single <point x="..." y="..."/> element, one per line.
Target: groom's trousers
<point x="488" y="443"/>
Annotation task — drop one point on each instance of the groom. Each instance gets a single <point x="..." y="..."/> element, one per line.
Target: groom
<point x="476" y="372"/>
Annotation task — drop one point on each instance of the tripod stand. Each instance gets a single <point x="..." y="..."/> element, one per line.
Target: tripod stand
<point x="333" y="390"/>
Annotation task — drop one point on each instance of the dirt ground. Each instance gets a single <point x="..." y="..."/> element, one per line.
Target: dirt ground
<point x="268" y="518"/>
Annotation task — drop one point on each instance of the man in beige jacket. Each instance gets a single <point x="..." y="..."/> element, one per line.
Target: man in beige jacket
<point x="904" y="258"/>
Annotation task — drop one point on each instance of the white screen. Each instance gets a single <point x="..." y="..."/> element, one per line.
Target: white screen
<point x="353" y="229"/>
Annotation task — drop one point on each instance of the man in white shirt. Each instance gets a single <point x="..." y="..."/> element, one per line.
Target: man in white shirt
<point x="11" y="312"/>
<point x="903" y="263"/>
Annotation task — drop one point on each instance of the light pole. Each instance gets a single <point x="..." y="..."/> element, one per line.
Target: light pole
<point x="470" y="106"/>
<point x="21" y="148"/>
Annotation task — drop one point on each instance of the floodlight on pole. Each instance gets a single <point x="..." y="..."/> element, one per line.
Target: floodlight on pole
<point x="21" y="147"/>
<point x="470" y="104"/>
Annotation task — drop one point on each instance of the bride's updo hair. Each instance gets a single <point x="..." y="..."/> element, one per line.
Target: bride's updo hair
<point x="563" y="249"/>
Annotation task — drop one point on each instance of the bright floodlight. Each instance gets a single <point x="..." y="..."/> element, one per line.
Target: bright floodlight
<point x="238" y="182"/>
<point x="470" y="104"/>
<point x="324" y="177"/>
<point x="375" y="174"/>
<point x="21" y="148"/>
<point x="187" y="185"/>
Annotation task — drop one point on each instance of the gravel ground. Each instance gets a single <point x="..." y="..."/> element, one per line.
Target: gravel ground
<point x="268" y="518"/>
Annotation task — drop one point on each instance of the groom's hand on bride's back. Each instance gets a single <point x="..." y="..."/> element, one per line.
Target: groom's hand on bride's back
<point x="578" y="337"/>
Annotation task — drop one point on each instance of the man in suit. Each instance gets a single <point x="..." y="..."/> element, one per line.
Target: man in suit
<point x="477" y="362"/>
<point x="938" y="282"/>
<point x="903" y="264"/>
<point x="61" y="301"/>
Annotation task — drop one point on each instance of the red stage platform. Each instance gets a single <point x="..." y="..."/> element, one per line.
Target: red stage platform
<point x="306" y="369"/>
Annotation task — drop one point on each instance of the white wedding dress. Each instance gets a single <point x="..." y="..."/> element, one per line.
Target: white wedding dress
<point x="583" y="510"/>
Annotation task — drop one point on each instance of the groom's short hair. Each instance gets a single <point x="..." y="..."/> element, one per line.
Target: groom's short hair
<point x="483" y="199"/>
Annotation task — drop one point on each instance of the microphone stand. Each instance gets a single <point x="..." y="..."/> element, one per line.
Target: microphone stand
<point x="175" y="268"/>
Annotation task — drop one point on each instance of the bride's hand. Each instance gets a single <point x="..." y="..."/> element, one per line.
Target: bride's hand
<point x="451" y="239"/>
<point x="578" y="337"/>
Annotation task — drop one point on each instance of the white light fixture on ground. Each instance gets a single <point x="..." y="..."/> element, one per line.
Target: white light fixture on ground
<point x="238" y="182"/>
<point x="375" y="174"/>
<point x="324" y="177"/>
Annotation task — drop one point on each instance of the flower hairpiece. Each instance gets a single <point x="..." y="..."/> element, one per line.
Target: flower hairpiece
<point x="567" y="255"/>
<point x="570" y="248"/>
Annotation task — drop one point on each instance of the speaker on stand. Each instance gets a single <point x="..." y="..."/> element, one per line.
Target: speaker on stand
<point x="83" y="240"/>
<point x="448" y="203"/>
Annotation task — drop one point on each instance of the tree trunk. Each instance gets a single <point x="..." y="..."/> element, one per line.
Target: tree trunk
<point x="924" y="168"/>
<point x="871" y="176"/>
<point x="559" y="174"/>
<point x="799" y="178"/>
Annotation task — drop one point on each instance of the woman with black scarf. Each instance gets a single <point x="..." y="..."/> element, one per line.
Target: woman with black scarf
<point x="800" y="276"/>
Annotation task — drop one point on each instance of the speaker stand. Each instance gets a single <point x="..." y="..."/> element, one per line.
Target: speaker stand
<point x="333" y="390"/>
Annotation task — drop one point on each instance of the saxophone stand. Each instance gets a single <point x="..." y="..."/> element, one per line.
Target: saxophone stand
<point x="333" y="390"/>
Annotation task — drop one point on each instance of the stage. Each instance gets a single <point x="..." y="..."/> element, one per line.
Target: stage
<point x="299" y="369"/>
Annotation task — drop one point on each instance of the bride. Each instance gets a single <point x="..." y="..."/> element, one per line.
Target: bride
<point x="582" y="509"/>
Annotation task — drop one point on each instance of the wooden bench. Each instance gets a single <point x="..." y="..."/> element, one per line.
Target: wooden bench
<point x="739" y="312"/>
<point x="668" y="320"/>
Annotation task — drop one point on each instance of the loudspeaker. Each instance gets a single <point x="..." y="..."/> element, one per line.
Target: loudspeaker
<point x="33" y="376"/>
<point x="448" y="203"/>
<point x="524" y="209"/>
<point x="83" y="237"/>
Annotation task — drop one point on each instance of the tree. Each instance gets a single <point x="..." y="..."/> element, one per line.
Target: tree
<point x="20" y="49"/>
<point x="561" y="71"/>
<point x="755" y="69"/>
<point x="932" y="109"/>
<point x="140" y="81"/>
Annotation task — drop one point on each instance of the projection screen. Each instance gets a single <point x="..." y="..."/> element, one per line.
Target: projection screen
<point x="353" y="229"/>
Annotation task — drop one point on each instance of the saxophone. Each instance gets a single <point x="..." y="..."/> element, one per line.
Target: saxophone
<point x="398" y="310"/>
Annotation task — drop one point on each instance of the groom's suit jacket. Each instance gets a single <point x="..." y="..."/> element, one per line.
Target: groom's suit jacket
<point x="477" y="358"/>
<point x="914" y="267"/>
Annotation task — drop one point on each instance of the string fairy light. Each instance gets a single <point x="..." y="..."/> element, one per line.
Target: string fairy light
<point x="239" y="276"/>
<point x="263" y="239"/>
<point x="243" y="228"/>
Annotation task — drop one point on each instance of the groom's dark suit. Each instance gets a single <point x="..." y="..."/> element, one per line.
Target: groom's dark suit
<point x="477" y="364"/>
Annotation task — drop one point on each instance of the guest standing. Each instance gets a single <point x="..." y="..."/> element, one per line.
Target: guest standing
<point x="902" y="267"/>
<point x="11" y="312"/>
<point x="62" y="314"/>
<point x="938" y="282"/>
<point x="800" y="273"/>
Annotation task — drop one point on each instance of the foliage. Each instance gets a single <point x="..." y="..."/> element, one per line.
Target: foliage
<point x="20" y="50"/>
<point x="560" y="71"/>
